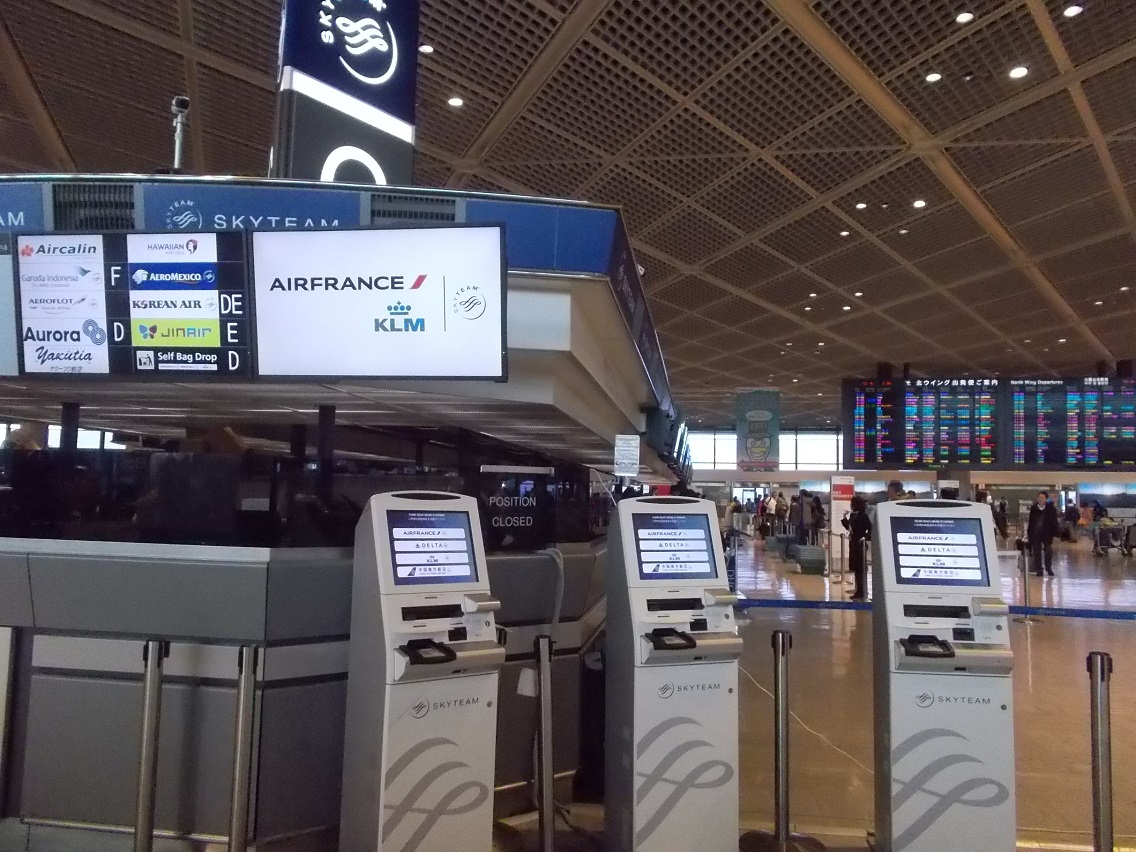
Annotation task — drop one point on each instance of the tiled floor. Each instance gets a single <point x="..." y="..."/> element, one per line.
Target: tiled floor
<point x="831" y="694"/>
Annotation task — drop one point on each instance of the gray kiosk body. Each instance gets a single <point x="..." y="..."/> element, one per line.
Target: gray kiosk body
<point x="943" y="681"/>
<point x="422" y="680"/>
<point x="671" y="777"/>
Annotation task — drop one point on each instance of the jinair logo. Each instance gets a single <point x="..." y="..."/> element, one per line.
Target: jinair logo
<point x="420" y="709"/>
<point x="365" y="39"/>
<point x="664" y="747"/>
<point x="148" y="332"/>
<point x="431" y="790"/>
<point x="469" y="303"/>
<point x="183" y="216"/>
<point x="925" y="699"/>
<point x="921" y="767"/>
<point x="666" y="690"/>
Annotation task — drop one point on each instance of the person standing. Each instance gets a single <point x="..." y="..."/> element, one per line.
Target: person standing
<point x="1042" y="527"/>
<point x="806" y="524"/>
<point x="781" y="510"/>
<point x="859" y="527"/>
<point x="818" y="519"/>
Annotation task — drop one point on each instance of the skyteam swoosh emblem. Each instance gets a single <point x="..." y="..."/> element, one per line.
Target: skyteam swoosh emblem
<point x="362" y="37"/>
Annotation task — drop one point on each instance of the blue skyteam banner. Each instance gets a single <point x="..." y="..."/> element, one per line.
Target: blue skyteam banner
<point x="21" y="207"/>
<point x="191" y="207"/>
<point x="758" y="415"/>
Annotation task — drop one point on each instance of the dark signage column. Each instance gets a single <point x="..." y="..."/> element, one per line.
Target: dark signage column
<point x="348" y="70"/>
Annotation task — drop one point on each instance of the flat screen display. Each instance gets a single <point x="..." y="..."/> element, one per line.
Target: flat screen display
<point x="430" y="547"/>
<point x="174" y="305"/>
<point x="674" y="547"/>
<point x="381" y="303"/>
<point x="938" y="551"/>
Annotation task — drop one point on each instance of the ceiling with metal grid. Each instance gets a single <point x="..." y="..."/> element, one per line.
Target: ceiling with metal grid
<point x="812" y="187"/>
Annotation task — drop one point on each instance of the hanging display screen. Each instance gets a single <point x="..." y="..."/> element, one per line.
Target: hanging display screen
<point x="169" y="305"/>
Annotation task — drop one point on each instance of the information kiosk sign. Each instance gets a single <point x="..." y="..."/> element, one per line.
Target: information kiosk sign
<point x="134" y="305"/>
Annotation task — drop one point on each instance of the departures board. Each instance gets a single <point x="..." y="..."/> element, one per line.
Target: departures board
<point x="169" y="305"/>
<point x="988" y="423"/>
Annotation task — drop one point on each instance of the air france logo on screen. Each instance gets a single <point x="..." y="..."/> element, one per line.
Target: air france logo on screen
<point x="364" y="37"/>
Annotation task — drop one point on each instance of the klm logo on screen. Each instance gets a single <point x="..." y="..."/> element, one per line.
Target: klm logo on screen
<point x="400" y="320"/>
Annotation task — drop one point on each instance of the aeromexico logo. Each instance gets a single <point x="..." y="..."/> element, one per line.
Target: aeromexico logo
<point x="363" y="35"/>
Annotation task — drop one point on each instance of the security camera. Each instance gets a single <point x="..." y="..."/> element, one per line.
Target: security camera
<point x="640" y="269"/>
<point x="180" y="105"/>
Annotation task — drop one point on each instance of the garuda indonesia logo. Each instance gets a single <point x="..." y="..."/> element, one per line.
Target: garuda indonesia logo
<point x="360" y="29"/>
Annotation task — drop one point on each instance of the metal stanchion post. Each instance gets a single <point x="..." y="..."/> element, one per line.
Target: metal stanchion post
<point x="781" y="839"/>
<point x="153" y="656"/>
<point x="1026" y="618"/>
<point x="546" y="806"/>
<point x="242" y="749"/>
<point x="843" y="556"/>
<point x="1100" y="672"/>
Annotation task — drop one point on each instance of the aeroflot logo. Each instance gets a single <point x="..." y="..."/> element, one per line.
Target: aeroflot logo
<point x="335" y="284"/>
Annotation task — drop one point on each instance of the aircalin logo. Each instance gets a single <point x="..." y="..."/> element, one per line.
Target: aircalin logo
<point x="469" y="303"/>
<point x="368" y="47"/>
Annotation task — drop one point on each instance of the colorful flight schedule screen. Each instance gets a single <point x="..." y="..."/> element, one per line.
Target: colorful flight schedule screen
<point x="870" y="406"/>
<point x="170" y="305"/>
<point x="950" y="421"/>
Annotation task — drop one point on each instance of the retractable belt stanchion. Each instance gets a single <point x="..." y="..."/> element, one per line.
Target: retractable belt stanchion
<point x="242" y="749"/>
<point x="423" y="666"/>
<point x="153" y="658"/>
<point x="1026" y="618"/>
<point x="546" y="805"/>
<point x="1100" y="672"/>
<point x="781" y="839"/>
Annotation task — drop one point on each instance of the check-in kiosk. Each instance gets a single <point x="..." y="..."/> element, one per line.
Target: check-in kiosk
<point x="422" y="680"/>
<point x="671" y="776"/>
<point x="943" y="681"/>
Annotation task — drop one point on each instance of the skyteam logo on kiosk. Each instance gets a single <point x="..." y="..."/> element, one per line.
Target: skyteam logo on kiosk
<point x="364" y="37"/>
<point x="184" y="215"/>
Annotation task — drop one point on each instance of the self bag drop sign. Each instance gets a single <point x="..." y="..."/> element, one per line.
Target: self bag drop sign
<point x="411" y="303"/>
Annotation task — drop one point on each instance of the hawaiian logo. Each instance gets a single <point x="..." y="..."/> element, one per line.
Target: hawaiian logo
<point x="925" y="699"/>
<point x="368" y="48"/>
<point x="191" y="246"/>
<point x="183" y="215"/>
<point x="469" y="303"/>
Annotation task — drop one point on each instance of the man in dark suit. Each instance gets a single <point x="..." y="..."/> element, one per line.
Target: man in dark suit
<point x="1042" y="528"/>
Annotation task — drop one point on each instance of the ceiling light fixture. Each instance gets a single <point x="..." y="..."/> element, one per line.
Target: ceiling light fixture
<point x="857" y="294"/>
<point x="795" y="381"/>
<point x="1017" y="72"/>
<point x="964" y="18"/>
<point x="1027" y="340"/>
<point x="1062" y="340"/>
<point x="933" y="77"/>
<point x="812" y="295"/>
<point x="1125" y="289"/>
<point x="821" y="343"/>
<point x="860" y="205"/>
<point x="903" y="230"/>
<point x="1098" y="303"/>
<point x="807" y="308"/>
<point x="844" y="233"/>
<point x="455" y="101"/>
<point x="1073" y="10"/>
<point x="820" y="394"/>
<point x="918" y="203"/>
<point x="425" y="49"/>
<point x="788" y="344"/>
<point x="847" y="307"/>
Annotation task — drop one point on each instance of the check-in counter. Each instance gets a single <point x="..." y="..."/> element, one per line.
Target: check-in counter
<point x="82" y="613"/>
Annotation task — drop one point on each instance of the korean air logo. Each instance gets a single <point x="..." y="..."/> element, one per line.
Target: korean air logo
<point x="368" y="47"/>
<point x="184" y="216"/>
<point x="925" y="699"/>
<point x="420" y="709"/>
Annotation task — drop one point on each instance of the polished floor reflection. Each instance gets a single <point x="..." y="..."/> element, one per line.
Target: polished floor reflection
<point x="831" y="698"/>
<point x="1082" y="581"/>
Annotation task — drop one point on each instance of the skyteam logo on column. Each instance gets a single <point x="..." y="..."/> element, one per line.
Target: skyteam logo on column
<point x="363" y="36"/>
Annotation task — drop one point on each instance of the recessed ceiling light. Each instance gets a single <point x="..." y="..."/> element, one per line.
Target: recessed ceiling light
<point x="795" y="381"/>
<point x="847" y="307"/>
<point x="455" y="101"/>
<point x="1018" y="72"/>
<point x="1073" y="10"/>
<point x="1061" y="340"/>
<point x="857" y="294"/>
<point x="860" y="205"/>
<point x="808" y="308"/>
<point x="967" y="77"/>
<point x="788" y="344"/>
<point x="933" y="77"/>
<point x="1125" y="289"/>
<point x="812" y="295"/>
<point x="1098" y="303"/>
<point x="844" y="233"/>
<point x="918" y="203"/>
<point x="964" y="18"/>
<point x="1027" y="340"/>
<point x="821" y="343"/>
<point x="884" y="206"/>
<point x="903" y="230"/>
<point x="426" y="49"/>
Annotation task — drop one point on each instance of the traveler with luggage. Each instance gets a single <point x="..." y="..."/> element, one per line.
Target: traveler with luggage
<point x="1041" y="528"/>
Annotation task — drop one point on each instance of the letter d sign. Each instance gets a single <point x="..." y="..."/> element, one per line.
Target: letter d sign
<point x="119" y="332"/>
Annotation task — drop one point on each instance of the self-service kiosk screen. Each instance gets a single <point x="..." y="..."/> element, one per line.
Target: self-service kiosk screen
<point x="938" y="551"/>
<point x="431" y="547"/>
<point x="674" y="547"/>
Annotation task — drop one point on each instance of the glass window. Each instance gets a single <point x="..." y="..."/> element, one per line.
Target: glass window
<point x="817" y="451"/>
<point x="90" y="439"/>
<point x="702" y="450"/>
<point x="726" y="450"/>
<point x="53" y="433"/>
<point x="788" y="451"/>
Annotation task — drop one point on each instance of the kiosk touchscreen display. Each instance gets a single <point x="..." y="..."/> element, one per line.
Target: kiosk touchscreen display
<point x="939" y="551"/>
<point x="674" y="547"/>
<point x="431" y="547"/>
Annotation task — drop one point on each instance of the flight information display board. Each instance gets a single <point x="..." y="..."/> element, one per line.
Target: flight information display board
<point x="134" y="305"/>
<point x="1053" y="423"/>
<point x="950" y="421"/>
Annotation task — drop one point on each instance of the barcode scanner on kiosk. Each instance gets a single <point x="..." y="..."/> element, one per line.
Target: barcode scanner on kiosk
<point x="671" y="746"/>
<point x="943" y="681"/>
<point x="423" y="671"/>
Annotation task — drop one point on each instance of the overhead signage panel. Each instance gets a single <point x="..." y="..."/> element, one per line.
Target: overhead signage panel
<point x="381" y="303"/>
<point x="192" y="207"/>
<point x="22" y="206"/>
<point x="133" y="304"/>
